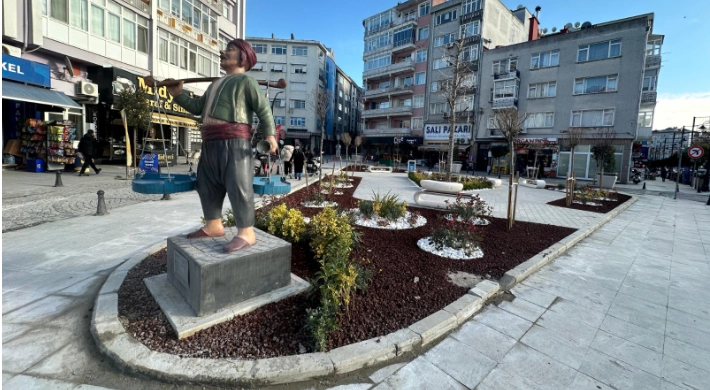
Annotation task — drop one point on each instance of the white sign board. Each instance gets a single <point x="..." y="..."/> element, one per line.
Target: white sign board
<point x="440" y="132"/>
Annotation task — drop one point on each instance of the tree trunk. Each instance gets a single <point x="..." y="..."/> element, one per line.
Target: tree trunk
<point x="511" y="206"/>
<point x="320" y="152"/>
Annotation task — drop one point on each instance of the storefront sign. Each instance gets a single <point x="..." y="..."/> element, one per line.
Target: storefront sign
<point x="149" y="163"/>
<point x="30" y="72"/>
<point x="440" y="132"/>
<point x="536" y="141"/>
<point x="165" y="100"/>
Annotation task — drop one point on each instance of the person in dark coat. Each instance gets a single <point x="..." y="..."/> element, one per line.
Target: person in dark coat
<point x="664" y="173"/>
<point x="87" y="147"/>
<point x="298" y="159"/>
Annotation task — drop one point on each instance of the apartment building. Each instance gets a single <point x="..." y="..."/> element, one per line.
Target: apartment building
<point x="92" y="49"/>
<point x="307" y="66"/>
<point x="404" y="58"/>
<point x="593" y="76"/>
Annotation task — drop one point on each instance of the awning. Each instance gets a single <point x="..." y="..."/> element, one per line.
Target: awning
<point x="298" y="134"/>
<point x="174" y="120"/>
<point x="30" y="94"/>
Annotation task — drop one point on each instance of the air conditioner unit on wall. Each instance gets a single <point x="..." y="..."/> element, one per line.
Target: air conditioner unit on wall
<point x="12" y="50"/>
<point x="84" y="88"/>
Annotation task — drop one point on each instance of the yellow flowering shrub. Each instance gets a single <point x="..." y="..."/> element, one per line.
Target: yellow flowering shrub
<point x="286" y="223"/>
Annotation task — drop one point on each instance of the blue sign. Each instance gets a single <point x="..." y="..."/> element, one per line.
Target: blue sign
<point x="30" y="72"/>
<point x="149" y="163"/>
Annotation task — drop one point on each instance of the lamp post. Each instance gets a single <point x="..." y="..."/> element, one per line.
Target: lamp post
<point x="680" y="149"/>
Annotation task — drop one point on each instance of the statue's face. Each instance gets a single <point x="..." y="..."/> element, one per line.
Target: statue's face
<point x="229" y="58"/>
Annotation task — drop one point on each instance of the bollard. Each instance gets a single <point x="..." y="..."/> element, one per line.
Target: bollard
<point x="101" y="208"/>
<point x="644" y="185"/>
<point x="58" y="179"/>
<point x="165" y="197"/>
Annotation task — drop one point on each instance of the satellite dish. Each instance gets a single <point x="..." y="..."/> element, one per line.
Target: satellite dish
<point x="576" y="25"/>
<point x="568" y="26"/>
<point x="586" y="25"/>
<point x="68" y="67"/>
<point x="554" y="29"/>
<point x="544" y="30"/>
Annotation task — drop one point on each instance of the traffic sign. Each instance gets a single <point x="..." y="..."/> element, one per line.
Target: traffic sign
<point x="696" y="152"/>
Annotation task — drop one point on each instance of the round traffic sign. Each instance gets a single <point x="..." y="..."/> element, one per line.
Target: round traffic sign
<point x="696" y="152"/>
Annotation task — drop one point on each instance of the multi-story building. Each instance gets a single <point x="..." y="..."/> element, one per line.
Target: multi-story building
<point x="593" y="76"/>
<point x="307" y="66"/>
<point x="405" y="62"/>
<point x="91" y="49"/>
<point x="666" y="142"/>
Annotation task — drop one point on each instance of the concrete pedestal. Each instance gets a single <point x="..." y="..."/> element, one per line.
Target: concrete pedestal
<point x="211" y="280"/>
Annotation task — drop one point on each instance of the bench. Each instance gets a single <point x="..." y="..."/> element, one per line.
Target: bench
<point x="379" y="169"/>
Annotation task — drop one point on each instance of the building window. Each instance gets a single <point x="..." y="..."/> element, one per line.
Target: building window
<point x="423" y="33"/>
<point x="599" y="51"/>
<point x="438" y="108"/>
<point x="378" y="62"/>
<point x="279" y="120"/>
<point x="418" y="101"/>
<point x="258" y="67"/>
<point x="58" y="10"/>
<point x="298" y="122"/>
<point x="469" y="6"/>
<point x="279" y="103"/>
<point x="505" y="89"/>
<point x="299" y="50"/>
<point x="469" y="53"/>
<point x="278" y="68"/>
<point x="653" y="48"/>
<point x="424" y="9"/>
<point x="403" y="102"/>
<point x="278" y="49"/>
<point x="403" y="36"/>
<point x="645" y="119"/>
<point x="542" y="90"/>
<point x="404" y="81"/>
<point x="129" y="34"/>
<point x="595" y="85"/>
<point x="505" y="66"/>
<point x="470" y="29"/>
<point x="417" y="123"/>
<point x="97" y="20"/>
<point x="446" y="17"/>
<point x="434" y="86"/>
<point x="296" y="86"/>
<point x="79" y="14"/>
<point x="444" y="39"/>
<point x="114" y="22"/>
<point x="298" y="103"/>
<point x="420" y="78"/>
<point x="378" y="22"/>
<point x="384" y="84"/>
<point x="163" y="45"/>
<point x="649" y="83"/>
<point x="260" y="48"/>
<point x="301" y="69"/>
<point x="464" y="103"/>
<point x="544" y="60"/>
<point x="539" y="120"/>
<point x="421" y="55"/>
<point x="378" y="41"/>
<point x="441" y="63"/>
<point x="592" y="118"/>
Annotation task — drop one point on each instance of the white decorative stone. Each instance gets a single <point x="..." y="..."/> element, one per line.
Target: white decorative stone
<point x="379" y="223"/>
<point x="425" y="244"/>
<point x="496" y="182"/>
<point x="319" y="205"/>
<point x="476" y="220"/>
<point x="442" y="186"/>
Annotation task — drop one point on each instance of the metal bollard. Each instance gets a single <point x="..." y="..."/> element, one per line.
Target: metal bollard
<point x="644" y="185"/>
<point x="165" y="197"/>
<point x="101" y="208"/>
<point x="58" y="179"/>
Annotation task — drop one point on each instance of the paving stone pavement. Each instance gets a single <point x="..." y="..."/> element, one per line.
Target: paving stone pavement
<point x="625" y="308"/>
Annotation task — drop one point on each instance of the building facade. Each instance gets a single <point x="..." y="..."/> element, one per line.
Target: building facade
<point x="307" y="66"/>
<point x="593" y="76"/>
<point x="89" y="44"/>
<point x="405" y="62"/>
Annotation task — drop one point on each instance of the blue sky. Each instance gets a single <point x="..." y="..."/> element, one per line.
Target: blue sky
<point x="684" y="82"/>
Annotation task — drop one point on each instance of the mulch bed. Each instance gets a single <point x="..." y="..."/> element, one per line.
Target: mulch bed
<point x="607" y="205"/>
<point x="392" y="301"/>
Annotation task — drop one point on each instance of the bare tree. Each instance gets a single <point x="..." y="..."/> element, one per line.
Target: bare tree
<point x="510" y="124"/>
<point x="603" y="149"/>
<point x="459" y="79"/>
<point x="321" y="101"/>
<point x="357" y="142"/>
<point x="347" y="140"/>
<point x="574" y="137"/>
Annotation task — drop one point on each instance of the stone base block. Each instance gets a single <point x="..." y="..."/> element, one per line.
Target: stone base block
<point x="533" y="183"/>
<point x="210" y="279"/>
<point x="183" y="319"/>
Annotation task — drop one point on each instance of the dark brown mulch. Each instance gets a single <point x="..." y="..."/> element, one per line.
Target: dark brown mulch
<point x="607" y="205"/>
<point x="392" y="301"/>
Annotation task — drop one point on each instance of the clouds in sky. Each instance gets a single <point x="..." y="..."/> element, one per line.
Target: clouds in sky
<point x="676" y="110"/>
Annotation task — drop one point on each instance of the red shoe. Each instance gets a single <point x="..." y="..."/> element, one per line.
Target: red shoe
<point x="202" y="234"/>
<point x="236" y="244"/>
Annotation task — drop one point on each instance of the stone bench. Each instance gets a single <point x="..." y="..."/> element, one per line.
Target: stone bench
<point x="532" y="183"/>
<point x="438" y="188"/>
<point x="379" y="169"/>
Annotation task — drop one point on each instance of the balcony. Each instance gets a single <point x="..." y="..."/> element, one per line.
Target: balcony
<point x="387" y="131"/>
<point x="508" y="102"/>
<point x="377" y="29"/>
<point x="404" y="44"/>
<point x="643" y="134"/>
<point x="648" y="97"/>
<point x="653" y="61"/>
<point x="381" y="49"/>
<point x="471" y="16"/>
<point x="391" y="111"/>
<point x="513" y="74"/>
<point x="473" y="39"/>
<point x="400" y="67"/>
<point x="399" y="22"/>
<point x="402" y="90"/>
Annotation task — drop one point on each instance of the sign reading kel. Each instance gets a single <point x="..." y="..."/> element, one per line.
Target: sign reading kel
<point x="18" y="69"/>
<point x="440" y="132"/>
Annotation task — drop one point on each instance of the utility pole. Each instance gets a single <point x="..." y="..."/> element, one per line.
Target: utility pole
<point x="680" y="149"/>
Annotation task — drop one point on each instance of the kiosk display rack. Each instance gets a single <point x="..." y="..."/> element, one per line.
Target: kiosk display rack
<point x="60" y="148"/>
<point x="33" y="143"/>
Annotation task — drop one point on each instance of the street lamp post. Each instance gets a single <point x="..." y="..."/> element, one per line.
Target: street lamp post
<point x="680" y="149"/>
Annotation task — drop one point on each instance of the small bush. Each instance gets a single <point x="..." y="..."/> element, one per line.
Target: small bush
<point x="366" y="208"/>
<point x="468" y="211"/>
<point x="286" y="223"/>
<point x="477" y="183"/>
<point x="417" y="177"/>
<point x="560" y="186"/>
<point x="456" y="235"/>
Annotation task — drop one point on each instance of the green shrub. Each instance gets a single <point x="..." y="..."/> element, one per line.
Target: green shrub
<point x="417" y="177"/>
<point x="286" y="223"/>
<point x="560" y="186"/>
<point x="476" y="183"/>
<point x="475" y="207"/>
<point x="366" y="208"/>
<point x="456" y="235"/>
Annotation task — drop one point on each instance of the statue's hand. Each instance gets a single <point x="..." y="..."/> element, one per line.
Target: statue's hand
<point x="272" y="141"/>
<point x="175" y="90"/>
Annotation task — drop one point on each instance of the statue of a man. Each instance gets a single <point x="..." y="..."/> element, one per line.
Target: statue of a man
<point x="226" y="165"/>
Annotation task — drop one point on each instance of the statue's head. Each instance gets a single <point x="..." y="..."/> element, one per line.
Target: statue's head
<point x="239" y="53"/>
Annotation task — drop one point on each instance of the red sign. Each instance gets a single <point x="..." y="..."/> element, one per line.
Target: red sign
<point x="696" y="152"/>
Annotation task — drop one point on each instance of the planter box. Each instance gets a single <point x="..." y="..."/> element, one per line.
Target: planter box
<point x="442" y="186"/>
<point x="456" y="167"/>
<point x="608" y="180"/>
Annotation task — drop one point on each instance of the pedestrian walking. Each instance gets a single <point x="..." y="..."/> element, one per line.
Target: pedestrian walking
<point x="87" y="147"/>
<point x="286" y="154"/>
<point x="298" y="159"/>
<point x="664" y="173"/>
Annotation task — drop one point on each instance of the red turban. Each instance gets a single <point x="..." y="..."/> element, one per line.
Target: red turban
<point x="247" y="55"/>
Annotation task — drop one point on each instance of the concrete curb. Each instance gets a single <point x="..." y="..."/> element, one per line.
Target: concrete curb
<point x="131" y="355"/>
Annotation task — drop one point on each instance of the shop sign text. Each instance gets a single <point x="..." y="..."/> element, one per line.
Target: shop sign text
<point x="165" y="100"/>
<point x="440" y="132"/>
